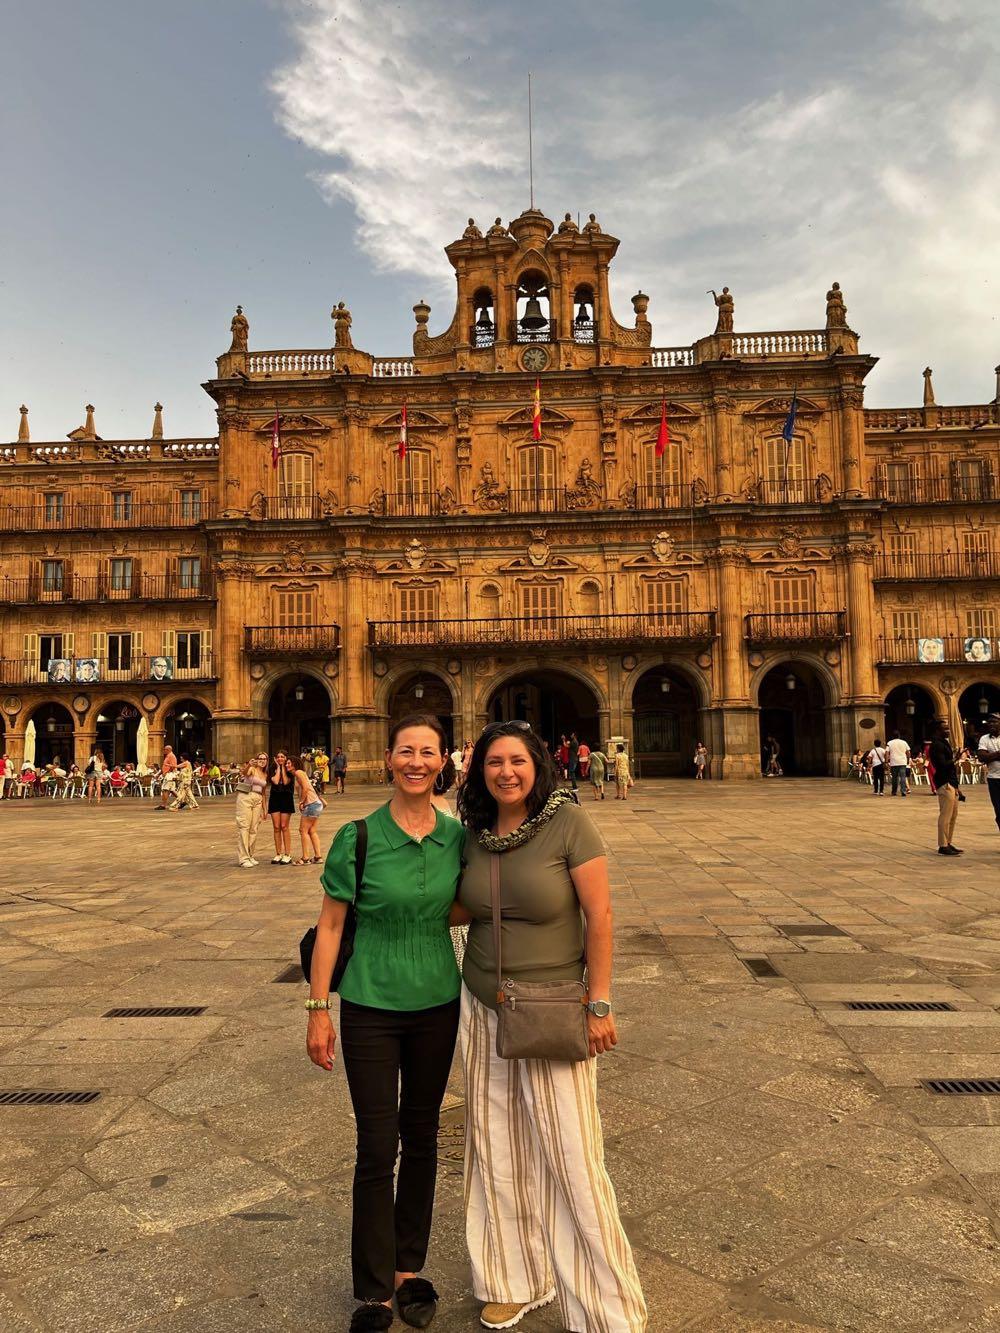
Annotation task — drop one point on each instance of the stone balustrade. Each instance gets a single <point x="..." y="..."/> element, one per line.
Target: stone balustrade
<point x="309" y="361"/>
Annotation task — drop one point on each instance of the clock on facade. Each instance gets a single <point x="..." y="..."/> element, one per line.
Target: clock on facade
<point x="534" y="358"/>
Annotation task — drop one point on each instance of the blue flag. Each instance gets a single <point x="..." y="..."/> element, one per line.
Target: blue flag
<point x="788" y="429"/>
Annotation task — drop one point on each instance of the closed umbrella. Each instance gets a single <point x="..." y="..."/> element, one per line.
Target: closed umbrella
<point x="30" y="737"/>
<point x="142" y="744"/>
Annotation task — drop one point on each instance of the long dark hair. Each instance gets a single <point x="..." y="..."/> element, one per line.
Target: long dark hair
<point x="446" y="778"/>
<point x="476" y="807"/>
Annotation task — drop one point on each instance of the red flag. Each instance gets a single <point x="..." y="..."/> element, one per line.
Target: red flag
<point x="275" y="441"/>
<point x="663" y="437"/>
<point x="536" y="415"/>
<point x="401" y="447"/>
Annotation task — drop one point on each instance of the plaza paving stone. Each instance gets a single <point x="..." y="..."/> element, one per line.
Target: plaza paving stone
<point x="777" y="1164"/>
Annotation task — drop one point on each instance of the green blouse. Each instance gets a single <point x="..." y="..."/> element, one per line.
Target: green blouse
<point x="403" y="955"/>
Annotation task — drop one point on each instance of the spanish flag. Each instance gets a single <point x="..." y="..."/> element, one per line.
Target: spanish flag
<point x="536" y="414"/>
<point x="663" y="437"/>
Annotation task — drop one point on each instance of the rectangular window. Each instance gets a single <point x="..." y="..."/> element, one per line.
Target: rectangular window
<point x="295" y="607"/>
<point x="188" y="649"/>
<point x="661" y="477"/>
<point x="417" y="603"/>
<point x="54" y="506"/>
<point x="664" y="597"/>
<point x="981" y="622"/>
<point x="189" y="572"/>
<point x="541" y="601"/>
<point x="121" y="575"/>
<point x="900" y="481"/>
<point x="536" y="468"/>
<point x="792" y="595"/>
<point x="976" y="549"/>
<point x="191" y="506"/>
<point x="906" y="624"/>
<point x="52" y="576"/>
<point x="49" y="646"/>
<point x="413" y="473"/>
<point x="122" y="506"/>
<point x="119" y="651"/>
<point x="785" y="471"/>
<point x="295" y="486"/>
<point x="902" y="547"/>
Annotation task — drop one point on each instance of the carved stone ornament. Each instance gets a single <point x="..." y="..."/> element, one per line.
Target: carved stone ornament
<point x="538" y="548"/>
<point x="379" y="667"/>
<point x="730" y="555"/>
<point x="454" y="666"/>
<point x="257" y="671"/>
<point x="949" y="685"/>
<point x="415" y="554"/>
<point x="356" y="565"/>
<point x="662" y="547"/>
<point x="629" y="662"/>
<point x="789" y="543"/>
<point x="832" y="657"/>
<point x="234" y="569"/>
<point x="704" y="660"/>
<point x="489" y="494"/>
<point x="12" y="705"/>
<point x="151" y="702"/>
<point x="331" y="669"/>
<point x="81" y="703"/>
<point x="585" y="491"/>
<point x="756" y="659"/>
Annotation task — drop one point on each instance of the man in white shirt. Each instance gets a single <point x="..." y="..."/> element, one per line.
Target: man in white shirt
<point x="989" y="754"/>
<point x="898" y="755"/>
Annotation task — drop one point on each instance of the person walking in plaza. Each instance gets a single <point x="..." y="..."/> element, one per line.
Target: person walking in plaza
<point x="876" y="763"/>
<point x="622" y="773"/>
<point x="942" y="758"/>
<point x="322" y="762"/>
<point x="542" y="1220"/>
<point x="772" y="760"/>
<point x="583" y="761"/>
<point x="573" y="764"/>
<point x="898" y="756"/>
<point x="339" y="771"/>
<point x="184" y="798"/>
<point x="700" y="761"/>
<point x="988" y="753"/>
<point x="456" y="759"/>
<point x="598" y="768"/>
<point x="399" y="1012"/>
<point x="280" y="806"/>
<point x="96" y="773"/>
<point x="311" y="806"/>
<point x="168" y="777"/>
<point x="250" y="808"/>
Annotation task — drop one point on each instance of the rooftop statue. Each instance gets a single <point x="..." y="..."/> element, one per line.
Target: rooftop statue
<point x="341" y="317"/>
<point x="472" y="232"/>
<point x="724" y="303"/>
<point x="568" y="225"/>
<point x="498" y="229"/>
<point x="591" y="225"/>
<point x="240" y="326"/>
<point x="836" y="310"/>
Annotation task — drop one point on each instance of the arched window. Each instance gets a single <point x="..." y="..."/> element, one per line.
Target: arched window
<point x="785" y="482"/>
<point x="295" y="486"/>
<point x="661" y="477"/>
<point x="536" y="479"/>
<point x="489" y="601"/>
<point x="590" y="598"/>
<point x="484" y="331"/>
<point x="533" y="322"/>
<point x="585" y="316"/>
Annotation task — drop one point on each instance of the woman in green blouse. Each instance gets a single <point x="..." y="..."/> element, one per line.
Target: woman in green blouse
<point x="398" y="1017"/>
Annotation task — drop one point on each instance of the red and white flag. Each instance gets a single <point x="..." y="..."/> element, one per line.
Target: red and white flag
<point x="536" y="412"/>
<point x="663" y="436"/>
<point x="401" y="447"/>
<point x="275" y="441"/>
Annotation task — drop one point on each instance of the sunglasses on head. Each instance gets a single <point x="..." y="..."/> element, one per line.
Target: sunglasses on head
<point x="494" y="727"/>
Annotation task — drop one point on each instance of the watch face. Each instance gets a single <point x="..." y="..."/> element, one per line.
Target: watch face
<point x="600" y="1008"/>
<point x="535" y="358"/>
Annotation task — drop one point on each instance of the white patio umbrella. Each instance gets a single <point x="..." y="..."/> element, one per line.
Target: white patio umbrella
<point x="142" y="744"/>
<point x="30" y="737"/>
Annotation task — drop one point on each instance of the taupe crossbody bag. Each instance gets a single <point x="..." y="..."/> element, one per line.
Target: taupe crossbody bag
<point x="537" y="1020"/>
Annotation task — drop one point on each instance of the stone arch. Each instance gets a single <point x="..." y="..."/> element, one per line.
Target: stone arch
<point x="158" y="719"/>
<point x="696" y="676"/>
<point x="796" y="695"/>
<point x="48" y="744"/>
<point x="488" y="686"/>
<point x="260" y="695"/>
<point x="776" y="658"/>
<point x="419" y="666"/>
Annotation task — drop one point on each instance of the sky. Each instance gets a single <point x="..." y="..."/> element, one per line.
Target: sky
<point x="163" y="162"/>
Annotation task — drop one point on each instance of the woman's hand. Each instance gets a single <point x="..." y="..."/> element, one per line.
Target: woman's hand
<point x="602" y="1032"/>
<point x="321" y="1039"/>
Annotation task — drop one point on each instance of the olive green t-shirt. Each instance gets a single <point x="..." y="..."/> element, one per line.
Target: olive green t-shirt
<point x="541" y="923"/>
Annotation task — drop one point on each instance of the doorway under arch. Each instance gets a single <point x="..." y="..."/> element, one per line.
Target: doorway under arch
<point x="664" y="723"/>
<point x="117" y="730"/>
<point x="792" y="700"/>
<point x="299" y="710"/>
<point x="53" y="734"/>
<point x="188" y="728"/>
<point x="910" y="710"/>
<point x="554" y="702"/>
<point x="423" y="692"/>
<point x="975" y="704"/>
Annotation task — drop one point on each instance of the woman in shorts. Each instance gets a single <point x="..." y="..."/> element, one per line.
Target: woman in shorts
<point x="311" y="805"/>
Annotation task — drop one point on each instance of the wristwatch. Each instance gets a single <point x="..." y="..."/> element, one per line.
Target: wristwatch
<point x="599" y="1008"/>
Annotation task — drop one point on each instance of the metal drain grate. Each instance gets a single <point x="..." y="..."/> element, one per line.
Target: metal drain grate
<point x="292" y="973"/>
<point x="810" y="928"/>
<point x="30" y="1097"/>
<point x="760" y="967"/>
<point x="902" y="1006"/>
<point x="963" y="1087"/>
<point x="160" y="1011"/>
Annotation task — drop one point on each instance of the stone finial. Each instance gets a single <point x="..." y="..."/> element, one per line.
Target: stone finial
<point x="640" y="304"/>
<point x="341" y="317"/>
<point x="157" y="422"/>
<point x="422" y="313"/>
<point x="996" y="371"/>
<point x="929" y="399"/>
<point x="23" y="433"/>
<point x="836" y="310"/>
<point x="89" y="429"/>
<point x="240" y="327"/>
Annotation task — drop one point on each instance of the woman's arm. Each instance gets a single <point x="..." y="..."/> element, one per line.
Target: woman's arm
<point x="594" y="892"/>
<point x="321" y="1039"/>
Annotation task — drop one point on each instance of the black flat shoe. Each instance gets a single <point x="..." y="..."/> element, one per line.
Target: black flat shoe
<point x="372" y="1317"/>
<point x="417" y="1301"/>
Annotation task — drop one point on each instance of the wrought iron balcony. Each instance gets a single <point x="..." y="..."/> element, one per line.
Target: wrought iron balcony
<point x="557" y="632"/>
<point x="799" y="627"/>
<point x="924" y="566"/>
<point x="291" y="640"/>
<point x="290" y="508"/>
<point x="73" y="515"/>
<point x="935" y="650"/>
<point x="547" y="333"/>
<point x="71" y="673"/>
<point x="936" y="490"/>
<point x="77" y="588"/>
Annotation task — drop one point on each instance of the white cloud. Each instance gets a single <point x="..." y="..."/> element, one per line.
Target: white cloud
<point x="876" y="166"/>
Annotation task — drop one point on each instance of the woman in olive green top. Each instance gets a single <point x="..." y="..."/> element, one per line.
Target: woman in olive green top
<point x="398" y="1016"/>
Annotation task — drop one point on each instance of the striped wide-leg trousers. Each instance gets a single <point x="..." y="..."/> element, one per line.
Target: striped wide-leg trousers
<point x="540" y="1208"/>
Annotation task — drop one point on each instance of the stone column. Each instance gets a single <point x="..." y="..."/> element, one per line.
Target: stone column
<point x="722" y="430"/>
<point x="357" y="707"/>
<point x="852" y="435"/>
<point x="13" y="744"/>
<point x="861" y="617"/>
<point x="738" y="726"/>
<point x="154" y="752"/>
<point x="84" y="740"/>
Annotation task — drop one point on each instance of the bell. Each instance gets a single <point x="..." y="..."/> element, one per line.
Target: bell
<point x="582" y="315"/>
<point x="484" y="322"/>
<point x="533" y="317"/>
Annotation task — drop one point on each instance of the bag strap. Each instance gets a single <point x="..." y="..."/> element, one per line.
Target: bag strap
<point x="495" y="904"/>
<point x="360" y="855"/>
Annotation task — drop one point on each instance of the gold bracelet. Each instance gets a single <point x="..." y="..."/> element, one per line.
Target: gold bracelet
<point x="319" y="1004"/>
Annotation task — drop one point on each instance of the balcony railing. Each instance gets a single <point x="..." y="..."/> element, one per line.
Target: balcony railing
<point x="926" y="566"/>
<point x="798" y="627"/>
<point x="393" y="367"/>
<point x="796" y="343"/>
<point x="291" y="508"/>
<point x="72" y="673"/>
<point x="106" y="588"/>
<point x="932" y="651"/>
<point x="664" y="497"/>
<point x="936" y="490"/>
<point x="680" y="627"/>
<point x="966" y="416"/>
<point x="546" y="334"/>
<point x="315" y="361"/>
<point x="291" y="640"/>
<point x="482" y="335"/>
<point x="662" y="358"/>
<point x="794" y="491"/>
<point x="75" y="515"/>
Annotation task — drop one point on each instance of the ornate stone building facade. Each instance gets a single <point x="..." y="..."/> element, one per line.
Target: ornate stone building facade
<point x="223" y="594"/>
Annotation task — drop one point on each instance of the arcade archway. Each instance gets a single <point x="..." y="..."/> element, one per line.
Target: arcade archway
<point x="117" y="729"/>
<point x="554" y="702"/>
<point x="975" y="703"/>
<point x="792" y="699"/>
<point x="299" y="711"/>
<point x="53" y="734"/>
<point x="664" y="723"/>
<point x="910" y="711"/>
<point x="423" y="692"/>
<point x="188" y="728"/>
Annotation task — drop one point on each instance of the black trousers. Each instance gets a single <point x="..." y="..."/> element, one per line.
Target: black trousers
<point x="397" y="1067"/>
<point x="993" y="787"/>
<point x="878" y="778"/>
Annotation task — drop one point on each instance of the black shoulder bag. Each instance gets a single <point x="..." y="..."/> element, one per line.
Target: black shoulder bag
<point x="308" y="941"/>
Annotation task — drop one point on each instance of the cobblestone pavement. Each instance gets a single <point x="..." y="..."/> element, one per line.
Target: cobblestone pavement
<point x="777" y="1163"/>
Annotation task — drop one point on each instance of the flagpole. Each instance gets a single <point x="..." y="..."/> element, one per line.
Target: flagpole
<point x="531" y="158"/>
